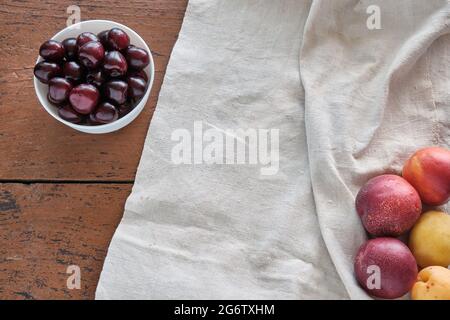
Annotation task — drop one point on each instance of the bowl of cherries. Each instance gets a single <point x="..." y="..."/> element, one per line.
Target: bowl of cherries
<point x="94" y="76"/>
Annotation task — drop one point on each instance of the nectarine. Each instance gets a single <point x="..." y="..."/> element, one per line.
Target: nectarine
<point x="385" y="268"/>
<point x="388" y="205"/>
<point x="428" y="170"/>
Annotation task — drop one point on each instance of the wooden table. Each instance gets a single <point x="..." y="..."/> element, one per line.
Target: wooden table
<point x="62" y="192"/>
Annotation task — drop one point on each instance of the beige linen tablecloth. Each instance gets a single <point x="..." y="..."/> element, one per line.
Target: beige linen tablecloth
<point x="345" y="96"/>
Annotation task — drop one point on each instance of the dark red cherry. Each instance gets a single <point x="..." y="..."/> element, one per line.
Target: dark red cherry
<point x="45" y="71"/>
<point x="52" y="50"/>
<point x="125" y="109"/>
<point x="114" y="64"/>
<point x="103" y="38"/>
<point x="118" y="39"/>
<point x="70" y="48"/>
<point x="116" y="91"/>
<point x="73" y="71"/>
<point x="91" y="121"/>
<point x="96" y="78"/>
<point x="91" y="54"/>
<point x="69" y="114"/>
<point x="84" y="98"/>
<point x="105" y="113"/>
<point x="140" y="74"/>
<point x="58" y="90"/>
<point x="54" y="102"/>
<point x="85" y="37"/>
<point x="137" y="58"/>
<point x="136" y="87"/>
<point x="124" y="51"/>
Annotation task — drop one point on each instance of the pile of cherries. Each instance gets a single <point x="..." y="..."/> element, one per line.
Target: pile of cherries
<point x="93" y="79"/>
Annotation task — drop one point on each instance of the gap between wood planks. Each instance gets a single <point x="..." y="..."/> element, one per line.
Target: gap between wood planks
<point x="49" y="181"/>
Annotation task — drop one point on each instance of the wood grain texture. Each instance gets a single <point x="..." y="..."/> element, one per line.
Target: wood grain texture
<point x="35" y="146"/>
<point x="44" y="228"/>
<point x="70" y="215"/>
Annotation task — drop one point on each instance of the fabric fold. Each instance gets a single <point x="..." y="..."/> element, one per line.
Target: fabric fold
<point x="271" y="116"/>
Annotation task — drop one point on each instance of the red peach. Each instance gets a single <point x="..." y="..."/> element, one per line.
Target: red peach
<point x="385" y="268"/>
<point x="388" y="205"/>
<point x="428" y="170"/>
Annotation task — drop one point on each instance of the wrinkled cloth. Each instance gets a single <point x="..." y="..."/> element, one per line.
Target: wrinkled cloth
<point x="348" y="102"/>
<point x="373" y="97"/>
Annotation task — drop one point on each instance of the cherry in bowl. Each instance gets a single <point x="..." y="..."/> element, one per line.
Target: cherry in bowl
<point x="69" y="114"/>
<point x="86" y="37"/>
<point x="52" y="50"/>
<point x="136" y="87"/>
<point x="44" y="71"/>
<point x="84" y="98"/>
<point x="116" y="91"/>
<point x="114" y="64"/>
<point x="70" y="48"/>
<point x="59" y="90"/>
<point x="91" y="54"/>
<point x="118" y="39"/>
<point x="137" y="58"/>
<point x="105" y="113"/>
<point x="73" y="71"/>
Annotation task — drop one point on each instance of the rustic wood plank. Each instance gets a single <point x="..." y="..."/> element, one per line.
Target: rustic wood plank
<point x="35" y="146"/>
<point x="44" y="228"/>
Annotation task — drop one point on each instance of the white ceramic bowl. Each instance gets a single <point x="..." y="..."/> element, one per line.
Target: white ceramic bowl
<point x="96" y="26"/>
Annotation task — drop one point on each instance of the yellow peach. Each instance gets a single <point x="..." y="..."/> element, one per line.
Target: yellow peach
<point x="433" y="283"/>
<point x="429" y="240"/>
